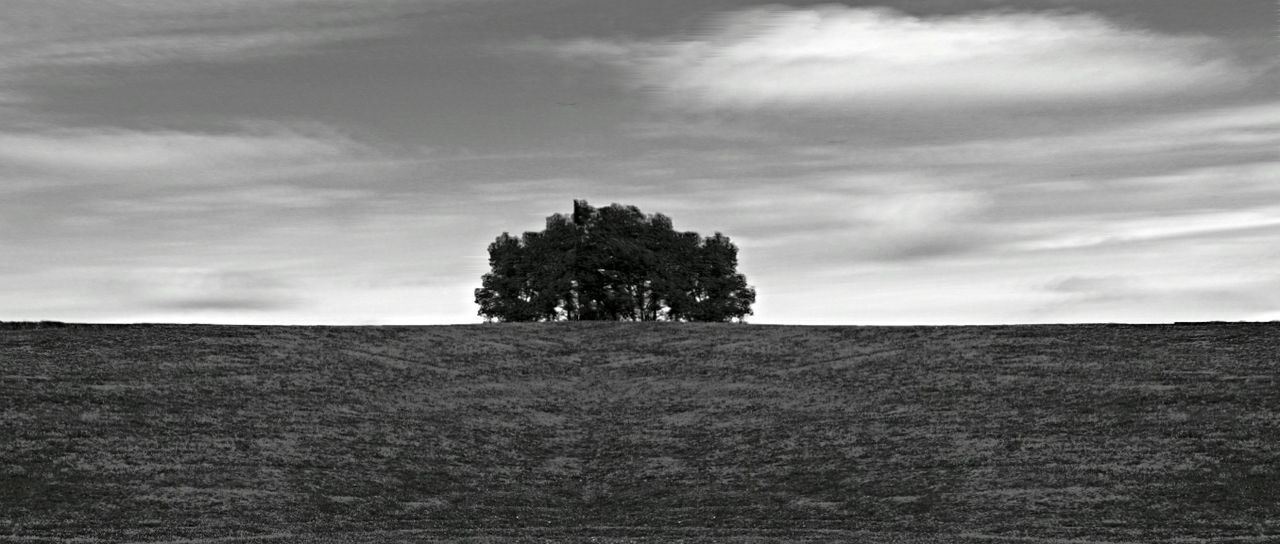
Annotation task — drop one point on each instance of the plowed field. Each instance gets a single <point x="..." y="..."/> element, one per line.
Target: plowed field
<point x="623" y="432"/>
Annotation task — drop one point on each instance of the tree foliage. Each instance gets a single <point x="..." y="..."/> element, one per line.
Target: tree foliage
<point x="613" y="263"/>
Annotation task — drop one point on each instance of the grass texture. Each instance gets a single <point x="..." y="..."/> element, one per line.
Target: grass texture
<point x="623" y="432"/>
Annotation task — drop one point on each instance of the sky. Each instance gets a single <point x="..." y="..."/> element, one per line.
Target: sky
<point x="877" y="163"/>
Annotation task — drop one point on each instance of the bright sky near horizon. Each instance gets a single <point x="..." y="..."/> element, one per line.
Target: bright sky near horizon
<point x="894" y="162"/>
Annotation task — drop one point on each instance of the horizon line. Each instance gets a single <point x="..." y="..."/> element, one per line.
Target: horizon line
<point x="55" y="324"/>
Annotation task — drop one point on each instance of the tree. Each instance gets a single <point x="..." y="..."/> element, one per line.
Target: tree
<point x="613" y="263"/>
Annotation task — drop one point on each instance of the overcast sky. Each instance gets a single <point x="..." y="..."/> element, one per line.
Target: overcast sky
<point x="896" y="162"/>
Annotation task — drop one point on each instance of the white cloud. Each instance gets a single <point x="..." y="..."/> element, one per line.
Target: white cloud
<point x="1193" y="173"/>
<point x="1156" y="228"/>
<point x="1225" y="130"/>
<point x="165" y="156"/>
<point x="277" y="197"/>
<point x="842" y="56"/>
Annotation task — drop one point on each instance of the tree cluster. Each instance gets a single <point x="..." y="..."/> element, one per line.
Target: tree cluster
<point x="613" y="263"/>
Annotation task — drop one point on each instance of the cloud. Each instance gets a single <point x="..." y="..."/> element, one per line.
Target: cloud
<point x="126" y="289"/>
<point x="204" y="303"/>
<point x="823" y="221"/>
<point x="1233" y="133"/>
<point x="217" y="47"/>
<point x="835" y="56"/>
<point x="923" y="223"/>
<point x="1167" y="297"/>
<point x="1094" y="286"/>
<point x="198" y="289"/>
<point x="122" y="150"/>
<point x="89" y="155"/>
<point x="72" y="191"/>
<point x="229" y="200"/>
<point x="1200" y="173"/>
<point x="1159" y="228"/>
<point x="40" y="36"/>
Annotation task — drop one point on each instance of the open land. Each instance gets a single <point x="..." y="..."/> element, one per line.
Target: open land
<point x="625" y="432"/>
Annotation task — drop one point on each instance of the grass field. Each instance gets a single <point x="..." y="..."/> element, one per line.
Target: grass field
<point x="640" y="432"/>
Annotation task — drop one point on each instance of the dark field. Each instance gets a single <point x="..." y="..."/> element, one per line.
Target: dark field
<point x="640" y="432"/>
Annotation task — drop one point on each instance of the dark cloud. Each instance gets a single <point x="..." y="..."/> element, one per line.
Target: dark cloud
<point x="226" y="304"/>
<point x="206" y="290"/>
<point x="925" y="247"/>
<point x="1096" y="286"/>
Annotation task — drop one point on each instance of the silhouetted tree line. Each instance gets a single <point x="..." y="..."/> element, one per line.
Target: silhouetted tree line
<point x="613" y="263"/>
<point x="7" y="325"/>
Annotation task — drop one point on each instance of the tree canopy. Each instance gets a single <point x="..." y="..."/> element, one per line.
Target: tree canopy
<point x="613" y="263"/>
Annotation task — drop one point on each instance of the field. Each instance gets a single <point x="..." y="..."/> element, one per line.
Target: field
<point x="618" y="433"/>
